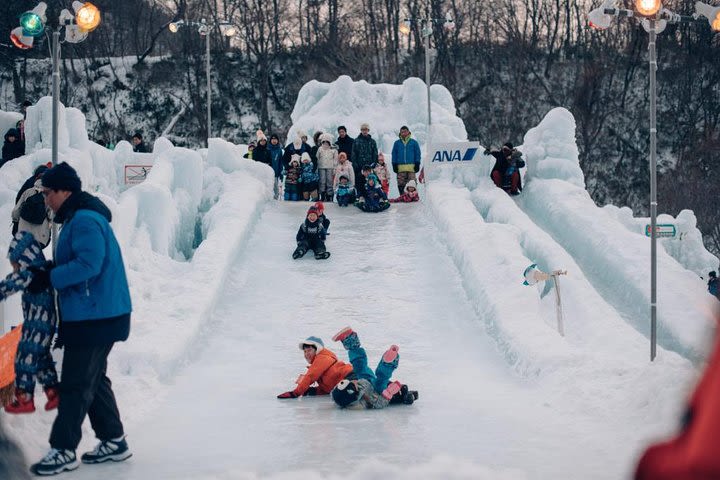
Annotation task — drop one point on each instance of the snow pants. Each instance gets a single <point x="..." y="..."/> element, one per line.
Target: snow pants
<point x="292" y="192"/>
<point x="358" y="359"/>
<point x="510" y="183"/>
<point x="345" y="200"/>
<point x="33" y="358"/>
<point x="325" y="186"/>
<point x="85" y="389"/>
<point x="312" y="243"/>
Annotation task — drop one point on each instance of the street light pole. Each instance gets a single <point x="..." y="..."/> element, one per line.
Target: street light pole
<point x="427" y="31"/>
<point x="653" y="188"/>
<point x="654" y="19"/>
<point x="55" y="92"/>
<point x="207" y="72"/>
<point x="227" y="29"/>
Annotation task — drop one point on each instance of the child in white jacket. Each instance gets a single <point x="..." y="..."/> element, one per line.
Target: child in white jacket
<point x="327" y="158"/>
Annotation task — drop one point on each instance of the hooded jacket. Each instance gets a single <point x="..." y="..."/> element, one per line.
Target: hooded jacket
<point x="41" y="232"/>
<point x="90" y="276"/>
<point x="12" y="150"/>
<point x="326" y="370"/>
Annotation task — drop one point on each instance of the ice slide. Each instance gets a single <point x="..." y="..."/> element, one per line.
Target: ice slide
<point x="391" y="278"/>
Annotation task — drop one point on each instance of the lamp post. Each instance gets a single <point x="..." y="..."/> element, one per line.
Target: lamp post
<point x="653" y="18"/>
<point x="228" y="30"/>
<point x="77" y="26"/>
<point x="426" y="30"/>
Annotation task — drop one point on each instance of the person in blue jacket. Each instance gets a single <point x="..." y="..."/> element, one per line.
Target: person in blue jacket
<point x="94" y="302"/>
<point x="405" y="158"/>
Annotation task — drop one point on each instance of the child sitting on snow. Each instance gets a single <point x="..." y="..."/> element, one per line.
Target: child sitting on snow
<point x="292" y="179"/>
<point x="410" y="195"/>
<point x="33" y="358"/>
<point x="344" y="192"/>
<point x="364" y="387"/>
<point x="309" y="177"/>
<point x="321" y="215"/>
<point x="375" y="199"/>
<point x="382" y="173"/>
<point x="311" y="236"/>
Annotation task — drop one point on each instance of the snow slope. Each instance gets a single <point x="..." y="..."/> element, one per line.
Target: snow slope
<point x="219" y="309"/>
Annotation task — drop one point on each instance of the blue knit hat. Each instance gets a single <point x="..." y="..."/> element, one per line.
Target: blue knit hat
<point x="62" y="177"/>
<point x="314" y="341"/>
<point x="25" y="250"/>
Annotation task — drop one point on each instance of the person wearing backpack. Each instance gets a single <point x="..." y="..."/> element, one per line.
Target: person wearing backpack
<point x="32" y="215"/>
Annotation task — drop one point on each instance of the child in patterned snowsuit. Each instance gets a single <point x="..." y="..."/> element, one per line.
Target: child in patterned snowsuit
<point x="364" y="387"/>
<point x="33" y="358"/>
<point x="292" y="180"/>
<point x="382" y="173"/>
<point x="309" y="178"/>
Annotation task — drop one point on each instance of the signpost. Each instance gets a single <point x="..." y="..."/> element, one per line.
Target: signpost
<point x="661" y="230"/>
<point x="534" y="275"/>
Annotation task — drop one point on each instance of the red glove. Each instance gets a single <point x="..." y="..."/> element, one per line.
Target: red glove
<point x="287" y="395"/>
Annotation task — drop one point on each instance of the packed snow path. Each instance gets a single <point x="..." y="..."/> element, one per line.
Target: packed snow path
<point x="391" y="279"/>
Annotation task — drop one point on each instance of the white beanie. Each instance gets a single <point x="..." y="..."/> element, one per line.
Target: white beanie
<point x="412" y="184"/>
<point x="326" y="137"/>
<point x="305" y="155"/>
<point x="365" y="125"/>
<point x="260" y="135"/>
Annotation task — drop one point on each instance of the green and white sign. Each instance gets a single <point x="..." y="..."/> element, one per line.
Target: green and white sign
<point x="661" y="230"/>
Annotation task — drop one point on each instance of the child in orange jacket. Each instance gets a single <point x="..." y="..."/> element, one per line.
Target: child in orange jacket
<point x="324" y="368"/>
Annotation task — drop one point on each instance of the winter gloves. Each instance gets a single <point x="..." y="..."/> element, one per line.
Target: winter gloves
<point x="287" y="395"/>
<point x="417" y="167"/>
<point x="41" y="278"/>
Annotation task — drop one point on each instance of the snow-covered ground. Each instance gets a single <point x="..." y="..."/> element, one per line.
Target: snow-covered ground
<point x="219" y="308"/>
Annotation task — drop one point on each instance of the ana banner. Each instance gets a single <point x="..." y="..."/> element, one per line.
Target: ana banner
<point x="458" y="153"/>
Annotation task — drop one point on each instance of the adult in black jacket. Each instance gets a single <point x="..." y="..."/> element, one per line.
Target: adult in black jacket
<point x="505" y="173"/>
<point x="344" y="142"/>
<point x="13" y="146"/>
<point x="261" y="152"/>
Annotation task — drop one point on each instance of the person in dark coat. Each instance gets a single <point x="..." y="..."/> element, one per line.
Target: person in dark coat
<point x="296" y="147"/>
<point x="13" y="146"/>
<point x="364" y="154"/>
<point x="344" y="142"/>
<point x="506" y="171"/>
<point x="261" y="153"/>
<point x="138" y="143"/>
<point x="713" y="284"/>
<point x="94" y="302"/>
<point x="29" y="183"/>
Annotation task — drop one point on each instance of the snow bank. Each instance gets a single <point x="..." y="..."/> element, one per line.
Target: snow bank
<point x="187" y="207"/>
<point x="686" y="247"/>
<point x="615" y="260"/>
<point x="325" y="106"/>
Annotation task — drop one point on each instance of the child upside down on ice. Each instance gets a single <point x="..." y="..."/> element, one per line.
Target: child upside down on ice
<point x="364" y="388"/>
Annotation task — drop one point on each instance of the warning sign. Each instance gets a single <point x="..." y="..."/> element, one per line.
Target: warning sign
<point x="136" y="173"/>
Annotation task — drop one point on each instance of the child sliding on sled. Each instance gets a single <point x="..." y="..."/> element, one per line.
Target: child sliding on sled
<point x="375" y="199"/>
<point x="33" y="358"/>
<point x="364" y="387"/>
<point x="311" y="236"/>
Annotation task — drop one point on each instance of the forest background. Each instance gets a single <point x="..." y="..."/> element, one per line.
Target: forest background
<point x="506" y="63"/>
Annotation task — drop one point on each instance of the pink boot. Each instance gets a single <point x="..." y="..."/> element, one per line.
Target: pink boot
<point x="392" y="389"/>
<point x="391" y="354"/>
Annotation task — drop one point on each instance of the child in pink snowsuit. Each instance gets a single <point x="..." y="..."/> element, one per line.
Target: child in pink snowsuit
<point x="410" y="195"/>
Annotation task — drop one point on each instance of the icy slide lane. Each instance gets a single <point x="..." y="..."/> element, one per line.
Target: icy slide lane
<point x="391" y="279"/>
